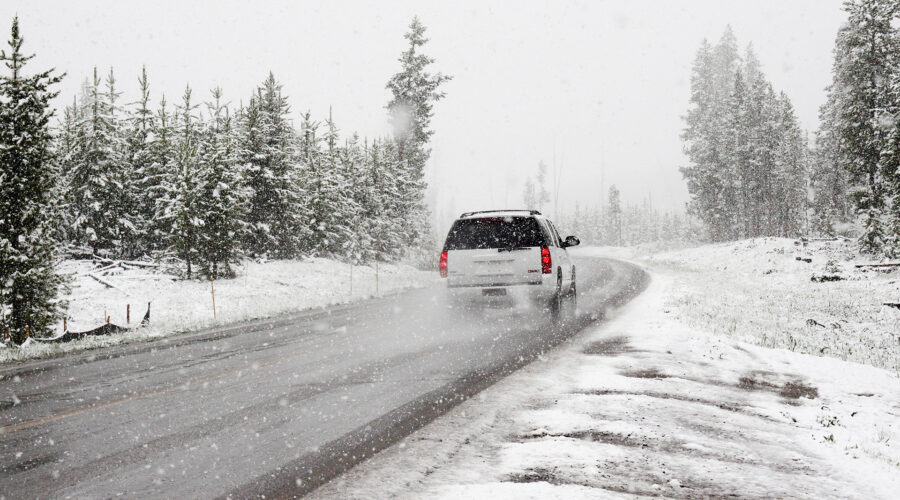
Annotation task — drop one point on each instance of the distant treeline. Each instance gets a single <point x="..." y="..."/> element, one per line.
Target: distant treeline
<point x="627" y="224"/>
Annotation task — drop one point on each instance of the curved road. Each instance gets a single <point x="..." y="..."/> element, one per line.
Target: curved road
<point x="274" y="407"/>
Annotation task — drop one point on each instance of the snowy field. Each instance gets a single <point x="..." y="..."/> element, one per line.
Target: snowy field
<point x="758" y="291"/>
<point x="260" y="290"/>
<point x="664" y="401"/>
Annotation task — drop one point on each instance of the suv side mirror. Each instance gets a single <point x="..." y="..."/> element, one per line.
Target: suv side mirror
<point x="571" y="241"/>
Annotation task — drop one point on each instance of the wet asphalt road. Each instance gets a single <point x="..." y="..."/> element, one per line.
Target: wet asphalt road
<point x="272" y="408"/>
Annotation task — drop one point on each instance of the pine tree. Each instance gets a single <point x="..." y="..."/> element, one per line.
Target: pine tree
<point x="543" y="196"/>
<point x="97" y="181"/>
<point x="221" y="196"/>
<point x="29" y="283"/>
<point x="159" y="178"/>
<point x="414" y="91"/>
<point x="866" y="52"/>
<point x="271" y="174"/>
<point x="529" y="195"/>
<point x="336" y="192"/>
<point x="829" y="180"/>
<point x="144" y="170"/>
<point x="67" y="148"/>
<point x="352" y="171"/>
<point x="179" y="201"/>
<point x="711" y="177"/>
<point x="614" y="217"/>
<point x="789" y="182"/>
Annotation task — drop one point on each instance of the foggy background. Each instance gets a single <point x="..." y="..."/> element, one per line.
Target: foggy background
<point x="595" y="89"/>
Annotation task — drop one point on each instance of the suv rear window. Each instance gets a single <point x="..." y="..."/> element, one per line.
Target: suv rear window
<point x="494" y="232"/>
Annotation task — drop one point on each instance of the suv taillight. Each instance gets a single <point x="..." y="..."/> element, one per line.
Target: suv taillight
<point x="546" y="263"/>
<point x="443" y="265"/>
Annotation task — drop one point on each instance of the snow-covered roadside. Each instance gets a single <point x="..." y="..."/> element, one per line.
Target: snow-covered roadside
<point x="765" y="291"/>
<point x="648" y="405"/>
<point x="260" y="290"/>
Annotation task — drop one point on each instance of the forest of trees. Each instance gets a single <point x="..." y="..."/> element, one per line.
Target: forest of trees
<point x="747" y="172"/>
<point x="753" y="173"/>
<point x="199" y="182"/>
<point x="855" y="176"/>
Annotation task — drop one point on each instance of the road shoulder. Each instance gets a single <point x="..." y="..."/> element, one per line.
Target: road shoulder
<point x="644" y="405"/>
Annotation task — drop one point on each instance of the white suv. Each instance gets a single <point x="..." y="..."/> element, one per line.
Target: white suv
<point x="509" y="253"/>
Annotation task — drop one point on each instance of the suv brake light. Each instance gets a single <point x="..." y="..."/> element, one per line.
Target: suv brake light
<point x="546" y="263"/>
<point x="443" y="265"/>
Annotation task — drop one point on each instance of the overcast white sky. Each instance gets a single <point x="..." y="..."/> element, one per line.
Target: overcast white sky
<point x="598" y="85"/>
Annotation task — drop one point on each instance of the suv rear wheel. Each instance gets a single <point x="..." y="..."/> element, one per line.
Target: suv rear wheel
<point x="573" y="298"/>
<point x="556" y="302"/>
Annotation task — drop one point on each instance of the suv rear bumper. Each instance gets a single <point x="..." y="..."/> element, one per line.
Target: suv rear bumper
<point x="503" y="293"/>
<point x="496" y="285"/>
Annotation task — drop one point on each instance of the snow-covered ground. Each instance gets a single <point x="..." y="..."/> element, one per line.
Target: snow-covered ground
<point x="663" y="401"/>
<point x="758" y="291"/>
<point x="260" y="290"/>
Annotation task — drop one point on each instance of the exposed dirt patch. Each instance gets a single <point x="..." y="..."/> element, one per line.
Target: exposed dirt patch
<point x="664" y="447"/>
<point x="645" y="373"/>
<point x="723" y="405"/>
<point x="768" y="381"/>
<point x="541" y="475"/>
<point x="612" y="346"/>
<point x="536" y="475"/>
<point x="797" y="390"/>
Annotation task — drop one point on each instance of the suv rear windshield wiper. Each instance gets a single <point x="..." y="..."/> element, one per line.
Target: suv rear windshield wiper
<point x="510" y="249"/>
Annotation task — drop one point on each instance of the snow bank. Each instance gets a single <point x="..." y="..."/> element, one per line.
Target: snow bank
<point x="260" y="290"/>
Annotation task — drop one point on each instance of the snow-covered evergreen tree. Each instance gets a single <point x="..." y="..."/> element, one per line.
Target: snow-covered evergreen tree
<point x="29" y="282"/>
<point x="160" y="173"/>
<point x="145" y="174"/>
<point x="529" y="194"/>
<point x="267" y="152"/>
<point x="221" y="196"/>
<point x="747" y="174"/>
<point x="178" y="205"/>
<point x="829" y="180"/>
<point x="709" y="177"/>
<point x="414" y="90"/>
<point x="614" y="217"/>
<point x="866" y="52"/>
<point x="98" y="178"/>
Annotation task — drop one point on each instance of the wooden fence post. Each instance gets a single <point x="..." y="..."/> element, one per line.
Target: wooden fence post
<point x="212" y="289"/>
<point x="127" y="313"/>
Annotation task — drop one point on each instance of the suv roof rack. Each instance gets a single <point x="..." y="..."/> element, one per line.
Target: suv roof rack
<point x="467" y="214"/>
